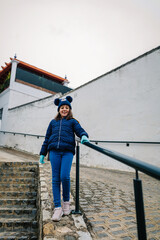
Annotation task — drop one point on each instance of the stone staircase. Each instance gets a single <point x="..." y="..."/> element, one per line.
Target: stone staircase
<point x="18" y="200"/>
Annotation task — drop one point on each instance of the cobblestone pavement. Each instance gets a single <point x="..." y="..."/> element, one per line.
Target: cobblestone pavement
<point x="107" y="202"/>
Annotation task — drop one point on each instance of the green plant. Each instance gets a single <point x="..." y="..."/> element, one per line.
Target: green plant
<point x="6" y="82"/>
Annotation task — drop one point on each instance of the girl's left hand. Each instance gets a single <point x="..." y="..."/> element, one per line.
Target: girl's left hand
<point x="84" y="139"/>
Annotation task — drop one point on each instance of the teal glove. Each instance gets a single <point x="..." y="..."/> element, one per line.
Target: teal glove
<point x="84" y="139"/>
<point x="41" y="159"/>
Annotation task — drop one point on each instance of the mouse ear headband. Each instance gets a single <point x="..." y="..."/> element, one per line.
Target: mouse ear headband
<point x="65" y="101"/>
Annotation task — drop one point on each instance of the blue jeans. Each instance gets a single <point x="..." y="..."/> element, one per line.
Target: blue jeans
<point x="61" y="163"/>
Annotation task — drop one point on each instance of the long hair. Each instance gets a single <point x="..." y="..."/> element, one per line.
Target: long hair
<point x="69" y="116"/>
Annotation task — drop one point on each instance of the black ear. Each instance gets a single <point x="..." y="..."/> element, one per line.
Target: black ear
<point x="57" y="101"/>
<point x="69" y="98"/>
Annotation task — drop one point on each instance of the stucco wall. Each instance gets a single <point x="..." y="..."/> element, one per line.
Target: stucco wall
<point x="4" y="100"/>
<point x="121" y="105"/>
<point x="21" y="94"/>
<point x="30" y="118"/>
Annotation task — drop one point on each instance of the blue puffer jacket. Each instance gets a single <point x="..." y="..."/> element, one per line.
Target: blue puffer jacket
<point x="60" y="135"/>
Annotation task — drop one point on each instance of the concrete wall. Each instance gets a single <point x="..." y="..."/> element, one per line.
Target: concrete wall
<point x="4" y="100"/>
<point x="30" y="118"/>
<point x="21" y="94"/>
<point x="121" y="105"/>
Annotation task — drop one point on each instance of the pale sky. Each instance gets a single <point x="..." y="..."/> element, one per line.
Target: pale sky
<point x="82" y="39"/>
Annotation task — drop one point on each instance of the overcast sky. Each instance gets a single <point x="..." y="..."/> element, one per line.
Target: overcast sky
<point x="82" y="39"/>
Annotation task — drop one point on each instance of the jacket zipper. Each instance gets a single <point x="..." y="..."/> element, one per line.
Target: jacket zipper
<point x="59" y="134"/>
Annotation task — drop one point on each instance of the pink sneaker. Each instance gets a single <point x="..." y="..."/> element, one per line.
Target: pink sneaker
<point x="57" y="214"/>
<point x="66" y="208"/>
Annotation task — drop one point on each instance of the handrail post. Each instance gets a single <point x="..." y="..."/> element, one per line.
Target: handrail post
<point x="140" y="215"/>
<point x="77" y="211"/>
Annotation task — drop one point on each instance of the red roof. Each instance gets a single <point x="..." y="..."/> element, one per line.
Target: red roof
<point x="5" y="70"/>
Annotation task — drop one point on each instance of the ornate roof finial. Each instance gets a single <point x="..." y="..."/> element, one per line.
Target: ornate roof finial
<point x="15" y="56"/>
<point x="65" y="76"/>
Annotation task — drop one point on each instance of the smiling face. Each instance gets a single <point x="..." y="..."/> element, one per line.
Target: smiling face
<point x="64" y="110"/>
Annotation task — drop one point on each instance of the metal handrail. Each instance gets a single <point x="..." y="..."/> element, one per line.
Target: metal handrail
<point x="94" y="141"/>
<point x="138" y="165"/>
<point x="127" y="142"/>
<point x="25" y="134"/>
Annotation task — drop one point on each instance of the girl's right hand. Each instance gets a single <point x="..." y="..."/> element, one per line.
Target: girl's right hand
<point x="41" y="159"/>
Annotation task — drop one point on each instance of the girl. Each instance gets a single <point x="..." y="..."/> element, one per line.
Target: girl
<point x="60" y="142"/>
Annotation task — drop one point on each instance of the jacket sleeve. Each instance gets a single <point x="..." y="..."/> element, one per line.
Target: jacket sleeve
<point x="45" y="143"/>
<point x="79" y="131"/>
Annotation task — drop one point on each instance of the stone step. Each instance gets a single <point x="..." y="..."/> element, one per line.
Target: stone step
<point x="18" y="203"/>
<point x="20" y="225"/>
<point x="18" y="236"/>
<point x="15" y="164"/>
<point x="6" y="169"/>
<point x="23" y="174"/>
<point x="18" y="187"/>
<point x="17" y="180"/>
<point x="14" y="213"/>
<point x="18" y="195"/>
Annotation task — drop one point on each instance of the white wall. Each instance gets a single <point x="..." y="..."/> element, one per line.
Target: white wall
<point x="4" y="100"/>
<point x="31" y="118"/>
<point x="121" y="105"/>
<point x="21" y="142"/>
<point x="21" y="94"/>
